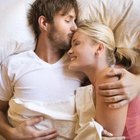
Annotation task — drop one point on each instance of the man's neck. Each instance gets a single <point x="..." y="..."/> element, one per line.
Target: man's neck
<point x="48" y="54"/>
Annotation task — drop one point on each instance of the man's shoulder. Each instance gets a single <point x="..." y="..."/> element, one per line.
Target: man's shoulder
<point x="16" y="59"/>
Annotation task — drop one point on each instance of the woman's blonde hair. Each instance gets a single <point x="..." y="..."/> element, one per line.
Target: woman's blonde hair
<point x="100" y="33"/>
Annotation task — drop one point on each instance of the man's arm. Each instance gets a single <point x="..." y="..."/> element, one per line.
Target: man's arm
<point x="4" y="126"/>
<point x="25" y="130"/>
<point x="121" y="92"/>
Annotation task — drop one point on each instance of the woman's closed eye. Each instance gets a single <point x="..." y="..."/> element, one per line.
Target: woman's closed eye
<point x="76" y="43"/>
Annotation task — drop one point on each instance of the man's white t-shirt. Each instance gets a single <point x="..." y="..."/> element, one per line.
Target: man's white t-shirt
<point x="34" y="87"/>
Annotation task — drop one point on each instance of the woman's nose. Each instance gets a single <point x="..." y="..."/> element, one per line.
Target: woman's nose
<point x="69" y="52"/>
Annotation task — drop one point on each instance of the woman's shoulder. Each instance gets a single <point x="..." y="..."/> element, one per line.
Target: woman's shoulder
<point x="84" y="94"/>
<point x="86" y="88"/>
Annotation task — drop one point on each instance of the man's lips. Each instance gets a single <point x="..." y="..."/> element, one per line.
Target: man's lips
<point x="70" y="35"/>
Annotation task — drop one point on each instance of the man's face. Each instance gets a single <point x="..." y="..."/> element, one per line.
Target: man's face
<point x="61" y="31"/>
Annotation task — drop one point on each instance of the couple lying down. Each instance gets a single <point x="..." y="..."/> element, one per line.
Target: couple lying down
<point x="84" y="114"/>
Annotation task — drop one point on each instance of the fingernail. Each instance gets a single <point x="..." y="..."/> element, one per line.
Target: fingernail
<point x="111" y="134"/>
<point x="112" y="106"/>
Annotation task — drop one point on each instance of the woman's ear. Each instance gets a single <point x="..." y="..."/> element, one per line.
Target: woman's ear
<point x="99" y="49"/>
<point x="42" y="23"/>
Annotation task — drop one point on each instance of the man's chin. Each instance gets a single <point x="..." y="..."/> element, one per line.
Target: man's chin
<point x="66" y="47"/>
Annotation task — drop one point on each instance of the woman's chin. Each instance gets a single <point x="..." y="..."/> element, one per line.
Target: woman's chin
<point x="73" y="68"/>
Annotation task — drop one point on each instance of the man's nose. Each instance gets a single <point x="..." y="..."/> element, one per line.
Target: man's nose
<point x="74" y="27"/>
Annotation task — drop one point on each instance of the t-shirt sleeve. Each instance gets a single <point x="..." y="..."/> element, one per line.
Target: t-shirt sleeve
<point x="5" y="84"/>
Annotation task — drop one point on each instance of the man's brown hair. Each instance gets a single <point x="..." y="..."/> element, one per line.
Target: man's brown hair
<point x="48" y="9"/>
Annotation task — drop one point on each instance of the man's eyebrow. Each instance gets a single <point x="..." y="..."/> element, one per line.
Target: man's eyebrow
<point x="71" y="16"/>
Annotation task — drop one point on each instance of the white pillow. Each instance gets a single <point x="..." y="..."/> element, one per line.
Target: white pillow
<point x="122" y="16"/>
<point x="15" y="35"/>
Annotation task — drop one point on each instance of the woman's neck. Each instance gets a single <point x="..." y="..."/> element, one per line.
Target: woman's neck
<point x="94" y="73"/>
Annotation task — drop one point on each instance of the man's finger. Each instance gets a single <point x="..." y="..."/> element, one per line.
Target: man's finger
<point x="116" y="71"/>
<point x="33" y="121"/>
<point x="118" y="105"/>
<point x="112" y="92"/>
<point x="108" y="86"/>
<point x="46" y="133"/>
<point x="51" y="136"/>
<point x="114" y="99"/>
<point x="50" y="131"/>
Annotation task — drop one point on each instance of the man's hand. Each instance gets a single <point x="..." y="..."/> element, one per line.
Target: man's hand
<point x="27" y="131"/>
<point x="122" y="91"/>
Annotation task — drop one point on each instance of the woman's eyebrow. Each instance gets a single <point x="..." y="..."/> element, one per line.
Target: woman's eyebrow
<point x="74" y="40"/>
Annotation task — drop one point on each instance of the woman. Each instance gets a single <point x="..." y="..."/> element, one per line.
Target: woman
<point x="93" y="52"/>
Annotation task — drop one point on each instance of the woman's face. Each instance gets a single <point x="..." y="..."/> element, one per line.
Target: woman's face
<point x="82" y="52"/>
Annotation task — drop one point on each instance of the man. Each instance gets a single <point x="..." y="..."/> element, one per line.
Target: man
<point x="36" y="76"/>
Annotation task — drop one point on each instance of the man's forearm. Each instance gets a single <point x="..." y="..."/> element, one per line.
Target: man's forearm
<point x="5" y="127"/>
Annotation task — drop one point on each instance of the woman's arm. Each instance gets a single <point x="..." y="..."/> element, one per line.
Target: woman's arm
<point x="113" y="120"/>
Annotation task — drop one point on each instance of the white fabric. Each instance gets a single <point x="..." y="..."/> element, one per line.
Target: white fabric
<point x="15" y="34"/>
<point x="29" y="75"/>
<point x="87" y="128"/>
<point x="60" y="115"/>
<point x="43" y="87"/>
